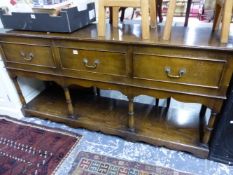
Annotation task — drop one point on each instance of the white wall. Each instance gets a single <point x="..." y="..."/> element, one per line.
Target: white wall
<point x="30" y="88"/>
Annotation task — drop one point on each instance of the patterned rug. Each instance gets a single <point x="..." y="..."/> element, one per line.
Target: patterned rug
<point x="27" y="148"/>
<point x="94" y="164"/>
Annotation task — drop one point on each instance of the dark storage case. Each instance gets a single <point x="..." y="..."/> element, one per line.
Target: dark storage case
<point x="221" y="148"/>
<point x="68" y="21"/>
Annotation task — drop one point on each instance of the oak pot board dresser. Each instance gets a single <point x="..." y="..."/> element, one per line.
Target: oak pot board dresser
<point x="192" y="67"/>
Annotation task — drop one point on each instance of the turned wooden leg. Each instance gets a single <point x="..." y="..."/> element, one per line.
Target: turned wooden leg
<point x="96" y="91"/>
<point x="115" y="16"/>
<point x="227" y="14"/>
<point x="101" y="20"/>
<point x="202" y="121"/>
<point x="145" y="19"/>
<point x="69" y="102"/>
<point x="168" y="102"/>
<point x="217" y="17"/>
<point x="208" y="129"/>
<point x="157" y="102"/>
<point x="21" y="97"/>
<point x="153" y="14"/>
<point x="131" y="115"/>
<point x="169" y="20"/>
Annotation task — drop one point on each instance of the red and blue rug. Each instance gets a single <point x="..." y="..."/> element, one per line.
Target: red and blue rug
<point x="94" y="164"/>
<point x="28" y="149"/>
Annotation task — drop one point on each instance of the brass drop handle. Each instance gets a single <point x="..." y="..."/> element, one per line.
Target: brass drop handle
<point x="30" y="56"/>
<point x="25" y="57"/>
<point x="168" y="71"/>
<point x="94" y="66"/>
<point x="23" y="54"/>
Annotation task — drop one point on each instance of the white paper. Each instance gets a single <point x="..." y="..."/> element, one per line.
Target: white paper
<point x="75" y="52"/>
<point x="92" y="14"/>
<point x="33" y="16"/>
<point x="81" y="5"/>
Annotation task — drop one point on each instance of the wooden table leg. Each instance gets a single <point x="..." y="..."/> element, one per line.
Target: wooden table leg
<point x="131" y="115"/>
<point x="18" y="89"/>
<point x="168" y="102"/>
<point x="157" y="102"/>
<point x="169" y="20"/>
<point x="202" y="121"/>
<point x="96" y="91"/>
<point x="227" y="14"/>
<point x="189" y="3"/>
<point x="209" y="129"/>
<point x="69" y="102"/>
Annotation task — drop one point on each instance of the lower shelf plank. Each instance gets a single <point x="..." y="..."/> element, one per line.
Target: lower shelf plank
<point x="153" y="125"/>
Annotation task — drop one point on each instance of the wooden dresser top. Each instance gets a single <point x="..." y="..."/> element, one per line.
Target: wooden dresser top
<point x="200" y="38"/>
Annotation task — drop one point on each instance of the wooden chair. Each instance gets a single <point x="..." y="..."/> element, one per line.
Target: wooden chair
<point x="170" y="15"/>
<point x="147" y="6"/>
<point x="158" y="9"/>
<point x="223" y="12"/>
<point x="122" y="10"/>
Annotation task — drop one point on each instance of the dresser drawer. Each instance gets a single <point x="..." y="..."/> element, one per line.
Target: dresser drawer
<point x="102" y="62"/>
<point x="29" y="55"/>
<point x="188" y="71"/>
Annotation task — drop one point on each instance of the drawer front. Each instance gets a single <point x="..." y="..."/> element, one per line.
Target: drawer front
<point x="29" y="55"/>
<point x="188" y="71"/>
<point x="103" y="62"/>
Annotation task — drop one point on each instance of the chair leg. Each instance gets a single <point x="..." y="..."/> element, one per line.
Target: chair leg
<point x="187" y="13"/>
<point x="153" y="13"/>
<point x="110" y="15"/>
<point x="134" y="9"/>
<point x="159" y="10"/>
<point x="115" y="16"/>
<point x="145" y="19"/>
<point x="168" y="24"/>
<point x="227" y="14"/>
<point x="122" y="14"/>
<point x="101" y="21"/>
<point x="217" y="17"/>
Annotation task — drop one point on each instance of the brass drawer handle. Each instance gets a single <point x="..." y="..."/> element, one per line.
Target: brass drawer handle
<point x="25" y="57"/>
<point x="30" y="56"/>
<point x="94" y="66"/>
<point x="23" y="54"/>
<point x="168" y="71"/>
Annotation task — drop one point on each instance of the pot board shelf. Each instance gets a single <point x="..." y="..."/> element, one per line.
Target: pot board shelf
<point x="154" y="125"/>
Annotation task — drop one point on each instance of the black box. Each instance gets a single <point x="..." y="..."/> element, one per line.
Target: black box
<point x="221" y="147"/>
<point x="68" y="21"/>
